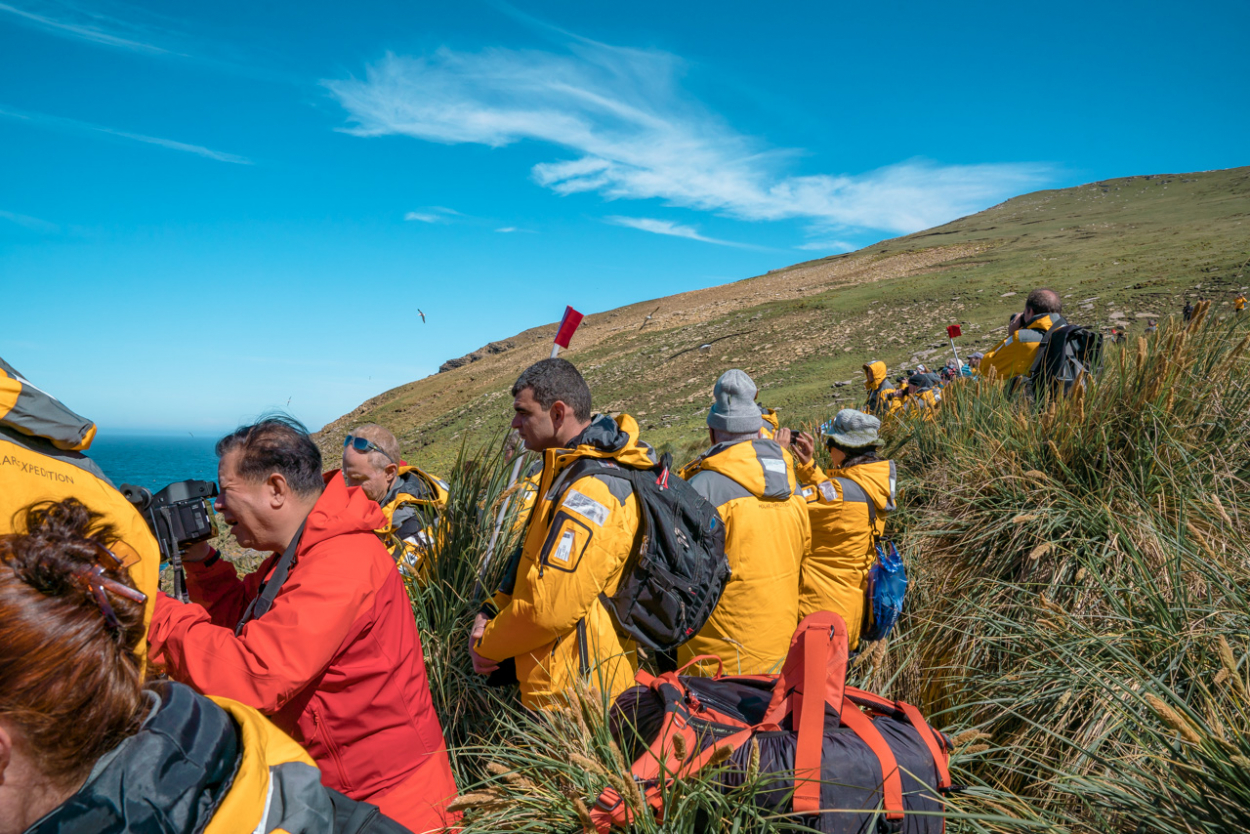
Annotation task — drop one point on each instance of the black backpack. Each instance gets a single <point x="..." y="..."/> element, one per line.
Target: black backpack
<point x="354" y="817"/>
<point x="675" y="576"/>
<point x="1067" y="355"/>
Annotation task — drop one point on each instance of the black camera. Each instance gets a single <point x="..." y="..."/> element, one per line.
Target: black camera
<point x="179" y="516"/>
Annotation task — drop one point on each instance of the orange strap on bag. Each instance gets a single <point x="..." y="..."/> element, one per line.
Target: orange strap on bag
<point x="891" y="782"/>
<point x="927" y="735"/>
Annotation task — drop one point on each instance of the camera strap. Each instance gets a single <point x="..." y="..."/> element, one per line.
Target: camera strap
<point x="270" y="587"/>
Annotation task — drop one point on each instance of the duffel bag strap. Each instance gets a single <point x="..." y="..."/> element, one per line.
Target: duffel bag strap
<point x="930" y="740"/>
<point x="891" y="783"/>
<point x="611" y="808"/>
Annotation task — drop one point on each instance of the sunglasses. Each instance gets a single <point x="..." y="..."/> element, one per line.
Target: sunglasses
<point x="361" y="444"/>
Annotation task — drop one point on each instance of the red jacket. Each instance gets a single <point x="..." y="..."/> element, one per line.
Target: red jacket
<point x="336" y="662"/>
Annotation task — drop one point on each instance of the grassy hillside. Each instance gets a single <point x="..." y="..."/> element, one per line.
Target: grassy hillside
<point x="1119" y="251"/>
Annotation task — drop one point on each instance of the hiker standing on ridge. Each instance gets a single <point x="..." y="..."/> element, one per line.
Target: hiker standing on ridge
<point x="580" y="533"/>
<point x="321" y="636"/>
<point x="1239" y="303"/>
<point x="409" y="497"/>
<point x="750" y="480"/>
<point x="1188" y="312"/>
<point x="847" y="508"/>
<point x="1013" y="356"/>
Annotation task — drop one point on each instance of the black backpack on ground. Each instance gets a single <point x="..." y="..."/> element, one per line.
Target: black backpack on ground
<point x="1067" y="355"/>
<point x="675" y="576"/>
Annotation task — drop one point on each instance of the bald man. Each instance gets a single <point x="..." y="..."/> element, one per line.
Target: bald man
<point x="1014" y="355"/>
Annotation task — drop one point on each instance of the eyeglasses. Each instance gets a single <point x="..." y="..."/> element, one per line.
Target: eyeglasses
<point x="362" y="444"/>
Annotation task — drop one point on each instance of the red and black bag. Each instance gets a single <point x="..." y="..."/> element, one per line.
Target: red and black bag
<point x="848" y="761"/>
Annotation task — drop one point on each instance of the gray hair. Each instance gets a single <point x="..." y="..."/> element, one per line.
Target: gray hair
<point x="280" y="444"/>
<point x="384" y="440"/>
<point x="719" y="436"/>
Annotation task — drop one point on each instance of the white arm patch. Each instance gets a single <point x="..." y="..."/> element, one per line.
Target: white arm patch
<point x="827" y="491"/>
<point x="586" y="507"/>
<point x="564" y="550"/>
<point x="774" y="464"/>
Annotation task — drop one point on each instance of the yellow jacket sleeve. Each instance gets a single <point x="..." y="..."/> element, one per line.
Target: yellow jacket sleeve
<point x="810" y="472"/>
<point x="587" y="543"/>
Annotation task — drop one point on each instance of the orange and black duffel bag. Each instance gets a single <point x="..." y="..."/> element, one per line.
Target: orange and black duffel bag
<point x="846" y="761"/>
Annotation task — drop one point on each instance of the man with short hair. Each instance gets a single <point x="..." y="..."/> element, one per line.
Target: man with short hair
<point x="320" y="638"/>
<point x="581" y="530"/>
<point x="410" y="498"/>
<point x="1013" y="356"/>
<point x="750" y="480"/>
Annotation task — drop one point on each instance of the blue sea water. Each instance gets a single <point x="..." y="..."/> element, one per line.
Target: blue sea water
<point x="154" y="460"/>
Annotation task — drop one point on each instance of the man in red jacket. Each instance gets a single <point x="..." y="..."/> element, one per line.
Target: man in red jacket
<point x="321" y="636"/>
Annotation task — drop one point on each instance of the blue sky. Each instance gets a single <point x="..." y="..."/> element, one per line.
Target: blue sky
<point x="208" y="210"/>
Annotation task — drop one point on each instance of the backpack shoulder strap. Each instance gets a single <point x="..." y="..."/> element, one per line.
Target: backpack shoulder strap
<point x="270" y="587"/>
<point x="852" y="491"/>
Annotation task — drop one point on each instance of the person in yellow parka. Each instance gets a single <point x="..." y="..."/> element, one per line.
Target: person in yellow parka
<point x="580" y="533"/>
<point x="42" y="457"/>
<point x="750" y="480"/>
<point x="86" y="746"/>
<point x="1013" y="356"/>
<point x="847" y="507"/>
<point x="410" y="498"/>
<point x="1239" y="303"/>
<point x="881" y="394"/>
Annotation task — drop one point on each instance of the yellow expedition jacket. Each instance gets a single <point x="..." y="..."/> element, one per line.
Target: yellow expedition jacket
<point x="41" y="459"/>
<point x="835" y="573"/>
<point x="412" y="508"/>
<point x="1014" y="355"/>
<point x="579" y="535"/>
<point x="880" y="402"/>
<point x="751" y="483"/>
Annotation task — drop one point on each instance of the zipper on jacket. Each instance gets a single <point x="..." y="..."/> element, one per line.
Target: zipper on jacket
<point x="324" y="734"/>
<point x="583" y="651"/>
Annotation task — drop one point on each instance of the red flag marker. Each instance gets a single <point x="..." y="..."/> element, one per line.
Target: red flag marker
<point x="568" y="325"/>
<point x="954" y="332"/>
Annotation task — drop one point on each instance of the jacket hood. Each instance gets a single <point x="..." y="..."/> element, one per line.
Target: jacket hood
<point x="761" y="466"/>
<point x="412" y="481"/>
<point x="170" y="776"/>
<point x="874" y="375"/>
<point x="878" y="479"/>
<point x="1045" y="321"/>
<point x="35" y="413"/>
<point x="340" y="509"/>
<point x="607" y="438"/>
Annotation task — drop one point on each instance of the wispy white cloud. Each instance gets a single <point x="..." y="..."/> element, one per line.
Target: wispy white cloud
<point x="71" y="21"/>
<point x="433" y="214"/>
<point x="667" y="227"/>
<point x="75" y="126"/>
<point x="828" y="246"/>
<point x="634" y="133"/>
<point x="32" y="223"/>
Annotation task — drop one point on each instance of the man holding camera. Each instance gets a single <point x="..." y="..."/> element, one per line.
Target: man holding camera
<point x="1013" y="356"/>
<point x="320" y="638"/>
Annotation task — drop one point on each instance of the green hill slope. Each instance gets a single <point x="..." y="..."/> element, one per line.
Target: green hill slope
<point x="1119" y="251"/>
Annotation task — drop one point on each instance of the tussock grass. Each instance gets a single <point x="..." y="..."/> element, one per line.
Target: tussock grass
<point x="1081" y="598"/>
<point x="1079" y="618"/>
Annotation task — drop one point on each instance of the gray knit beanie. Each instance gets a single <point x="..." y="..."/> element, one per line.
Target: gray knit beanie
<point x="734" y="409"/>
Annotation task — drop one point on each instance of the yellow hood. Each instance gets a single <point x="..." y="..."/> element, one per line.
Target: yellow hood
<point x="760" y="466"/>
<point x="874" y="375"/>
<point x="878" y="479"/>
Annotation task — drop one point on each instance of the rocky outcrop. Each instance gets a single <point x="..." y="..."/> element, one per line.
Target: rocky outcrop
<point x="481" y="353"/>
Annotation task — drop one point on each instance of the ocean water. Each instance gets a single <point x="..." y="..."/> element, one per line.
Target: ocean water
<point x="154" y="460"/>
